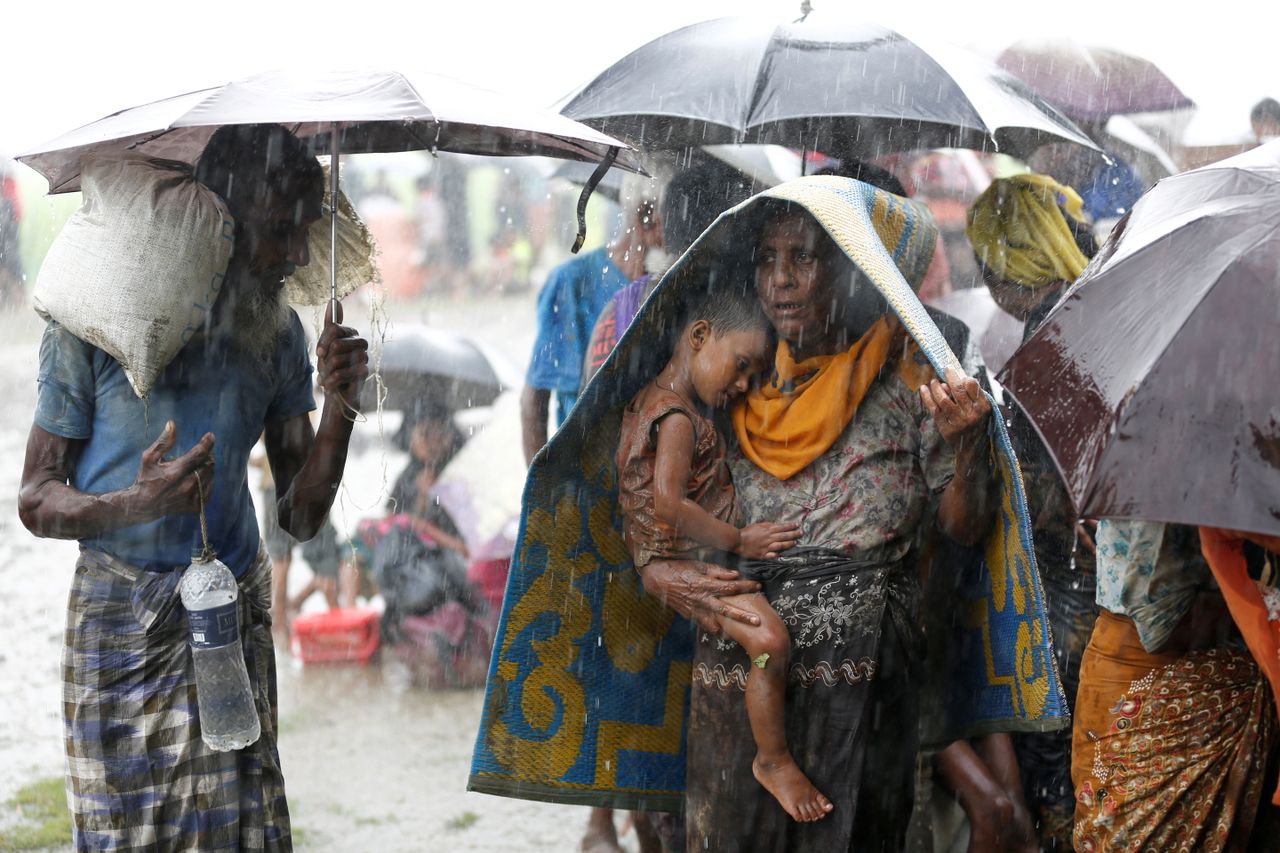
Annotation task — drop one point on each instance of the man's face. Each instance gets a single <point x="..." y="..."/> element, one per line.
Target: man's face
<point x="795" y="278"/>
<point x="274" y="235"/>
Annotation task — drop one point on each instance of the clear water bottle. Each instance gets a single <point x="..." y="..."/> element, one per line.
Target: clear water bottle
<point x="228" y="718"/>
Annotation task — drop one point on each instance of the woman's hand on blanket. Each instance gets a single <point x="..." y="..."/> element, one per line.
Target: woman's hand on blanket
<point x="170" y="486"/>
<point x="696" y="591"/>
<point x="959" y="408"/>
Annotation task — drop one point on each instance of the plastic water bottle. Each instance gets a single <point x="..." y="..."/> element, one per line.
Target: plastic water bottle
<point x="228" y="718"/>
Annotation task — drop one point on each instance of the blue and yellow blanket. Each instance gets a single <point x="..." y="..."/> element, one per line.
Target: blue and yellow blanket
<point x="589" y="684"/>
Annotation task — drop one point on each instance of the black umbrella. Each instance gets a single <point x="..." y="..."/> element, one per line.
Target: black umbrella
<point x="421" y="366"/>
<point x="844" y="87"/>
<point x="1153" y="382"/>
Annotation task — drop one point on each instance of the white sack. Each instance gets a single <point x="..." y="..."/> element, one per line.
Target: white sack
<point x="136" y="270"/>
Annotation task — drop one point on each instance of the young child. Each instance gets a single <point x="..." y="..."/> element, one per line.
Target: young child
<point x="678" y="503"/>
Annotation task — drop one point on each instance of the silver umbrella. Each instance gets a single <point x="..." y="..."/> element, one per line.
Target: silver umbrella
<point x="343" y="112"/>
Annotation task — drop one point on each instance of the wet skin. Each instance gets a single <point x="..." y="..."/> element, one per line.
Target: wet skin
<point x="711" y="368"/>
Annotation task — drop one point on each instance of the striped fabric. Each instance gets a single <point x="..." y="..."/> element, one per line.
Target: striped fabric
<point x="139" y="776"/>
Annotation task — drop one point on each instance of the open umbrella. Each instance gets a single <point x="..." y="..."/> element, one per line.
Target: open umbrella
<point x="1091" y="83"/>
<point x="374" y="111"/>
<point x="1152" y="382"/>
<point x="840" y="87"/>
<point x="345" y="112"/>
<point x="420" y="363"/>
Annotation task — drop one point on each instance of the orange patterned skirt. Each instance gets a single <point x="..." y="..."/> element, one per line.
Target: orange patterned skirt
<point x="1169" y="752"/>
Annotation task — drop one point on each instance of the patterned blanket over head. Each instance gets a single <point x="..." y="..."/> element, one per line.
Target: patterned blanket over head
<point x="588" y="688"/>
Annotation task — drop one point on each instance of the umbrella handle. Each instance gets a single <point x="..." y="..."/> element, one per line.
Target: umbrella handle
<point x="333" y="219"/>
<point x="587" y="190"/>
<point x="334" y="155"/>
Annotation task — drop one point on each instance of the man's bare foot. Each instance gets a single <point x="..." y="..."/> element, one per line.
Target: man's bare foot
<point x="791" y="788"/>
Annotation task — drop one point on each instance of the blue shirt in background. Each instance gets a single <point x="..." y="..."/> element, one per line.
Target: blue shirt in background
<point x="572" y="298"/>
<point x="211" y="386"/>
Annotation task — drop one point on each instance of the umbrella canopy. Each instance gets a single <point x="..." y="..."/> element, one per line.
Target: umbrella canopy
<point x="375" y="111"/>
<point x="1151" y="381"/>
<point x="1091" y="83"/>
<point x="421" y="364"/>
<point x="842" y="87"/>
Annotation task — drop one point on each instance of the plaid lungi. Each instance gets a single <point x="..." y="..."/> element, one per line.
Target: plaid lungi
<point x="139" y="776"/>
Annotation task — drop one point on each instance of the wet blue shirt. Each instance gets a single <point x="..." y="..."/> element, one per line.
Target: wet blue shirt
<point x="572" y="298"/>
<point x="211" y="386"/>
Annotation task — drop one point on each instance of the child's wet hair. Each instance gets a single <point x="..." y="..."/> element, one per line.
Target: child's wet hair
<point x="730" y="308"/>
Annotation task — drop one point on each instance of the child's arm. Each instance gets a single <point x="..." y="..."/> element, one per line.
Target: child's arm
<point x="671" y="504"/>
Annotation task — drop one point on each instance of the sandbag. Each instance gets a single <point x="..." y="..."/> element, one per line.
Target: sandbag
<point x="136" y="270"/>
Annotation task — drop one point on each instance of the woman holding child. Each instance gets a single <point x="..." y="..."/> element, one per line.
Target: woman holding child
<point x="852" y="446"/>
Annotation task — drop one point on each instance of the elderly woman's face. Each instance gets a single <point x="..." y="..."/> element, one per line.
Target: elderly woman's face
<point x="795" y="278"/>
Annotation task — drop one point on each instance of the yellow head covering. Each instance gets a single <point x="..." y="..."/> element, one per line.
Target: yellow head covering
<point x="1018" y="229"/>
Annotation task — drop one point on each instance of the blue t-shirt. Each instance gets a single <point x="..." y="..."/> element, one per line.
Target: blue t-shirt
<point x="571" y="300"/>
<point x="210" y="386"/>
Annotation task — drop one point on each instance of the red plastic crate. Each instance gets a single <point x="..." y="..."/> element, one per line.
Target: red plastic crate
<point x="339" y="635"/>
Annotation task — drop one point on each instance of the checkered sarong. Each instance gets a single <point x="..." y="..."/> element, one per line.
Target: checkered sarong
<point x="139" y="777"/>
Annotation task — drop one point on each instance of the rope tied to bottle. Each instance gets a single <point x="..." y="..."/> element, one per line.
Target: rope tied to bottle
<point x="207" y="554"/>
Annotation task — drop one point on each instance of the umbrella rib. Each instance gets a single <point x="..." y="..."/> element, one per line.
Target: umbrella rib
<point x="151" y="138"/>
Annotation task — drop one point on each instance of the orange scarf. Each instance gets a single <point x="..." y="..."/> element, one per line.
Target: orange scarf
<point x="796" y="416"/>
<point x="1224" y="550"/>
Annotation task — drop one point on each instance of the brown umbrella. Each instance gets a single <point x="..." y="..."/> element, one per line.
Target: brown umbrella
<point x="1152" y="383"/>
<point x="1091" y="83"/>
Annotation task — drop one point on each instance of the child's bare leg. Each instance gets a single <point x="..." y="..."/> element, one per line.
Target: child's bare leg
<point x="768" y="648"/>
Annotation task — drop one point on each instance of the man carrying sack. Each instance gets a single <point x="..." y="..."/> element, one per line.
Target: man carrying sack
<point x="139" y="774"/>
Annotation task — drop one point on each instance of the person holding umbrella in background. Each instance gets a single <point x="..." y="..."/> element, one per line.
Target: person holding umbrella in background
<point x="139" y="772"/>
<point x="1031" y="241"/>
